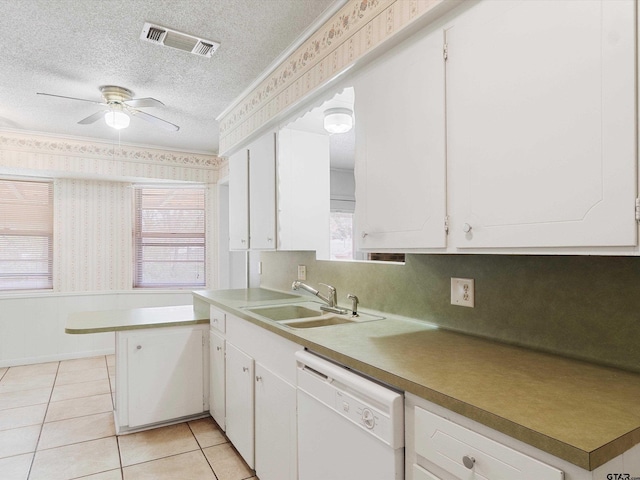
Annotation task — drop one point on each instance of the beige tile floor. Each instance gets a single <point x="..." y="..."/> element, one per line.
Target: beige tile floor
<point x="56" y="423"/>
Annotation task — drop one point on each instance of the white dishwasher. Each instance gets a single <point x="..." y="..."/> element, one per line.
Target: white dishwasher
<point x="349" y="427"/>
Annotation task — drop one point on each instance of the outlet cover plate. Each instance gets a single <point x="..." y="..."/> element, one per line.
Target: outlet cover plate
<point x="302" y="272"/>
<point x="463" y="292"/>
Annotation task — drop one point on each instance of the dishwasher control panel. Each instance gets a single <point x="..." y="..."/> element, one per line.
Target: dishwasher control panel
<point x="374" y="420"/>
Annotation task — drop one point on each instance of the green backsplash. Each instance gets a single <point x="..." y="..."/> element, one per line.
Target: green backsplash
<point x="584" y="307"/>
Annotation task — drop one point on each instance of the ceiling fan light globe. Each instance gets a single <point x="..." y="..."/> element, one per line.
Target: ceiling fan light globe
<point x="117" y="119"/>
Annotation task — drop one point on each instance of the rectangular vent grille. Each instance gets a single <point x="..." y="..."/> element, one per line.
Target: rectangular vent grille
<point x="178" y="40"/>
<point x="156" y="35"/>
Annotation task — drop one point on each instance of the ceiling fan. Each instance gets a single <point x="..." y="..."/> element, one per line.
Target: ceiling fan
<point x="119" y="103"/>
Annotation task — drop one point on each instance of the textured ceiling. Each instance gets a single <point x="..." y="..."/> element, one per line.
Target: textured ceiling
<point x="71" y="47"/>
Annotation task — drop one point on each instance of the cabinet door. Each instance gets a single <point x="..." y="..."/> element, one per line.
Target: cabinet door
<point x="540" y="124"/>
<point x="166" y="375"/>
<point x="400" y="148"/>
<point x="239" y="402"/>
<point x="262" y="193"/>
<point x="239" y="200"/>
<point x="217" y="380"/>
<point x="303" y="191"/>
<point x="276" y="450"/>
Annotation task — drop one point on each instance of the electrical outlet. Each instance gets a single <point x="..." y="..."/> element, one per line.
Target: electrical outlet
<point x="462" y="292"/>
<point x="302" y="272"/>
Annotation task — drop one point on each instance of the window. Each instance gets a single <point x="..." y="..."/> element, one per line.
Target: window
<point x="341" y="231"/>
<point x="169" y="235"/>
<point x="26" y="235"/>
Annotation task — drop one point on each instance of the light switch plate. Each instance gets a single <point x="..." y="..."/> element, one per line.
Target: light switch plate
<point x="462" y="292"/>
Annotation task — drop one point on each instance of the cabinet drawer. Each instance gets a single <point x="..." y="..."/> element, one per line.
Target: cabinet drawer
<point x="450" y="446"/>
<point x="217" y="319"/>
<point x="420" y="473"/>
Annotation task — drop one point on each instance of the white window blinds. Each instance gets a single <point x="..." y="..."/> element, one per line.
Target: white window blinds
<point x="26" y="235"/>
<point x="169" y="237"/>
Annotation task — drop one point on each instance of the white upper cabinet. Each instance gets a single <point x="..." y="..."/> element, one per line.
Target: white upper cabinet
<point x="262" y="193"/>
<point x="303" y="191"/>
<point x="400" y="148"/>
<point x="239" y="200"/>
<point x="540" y="125"/>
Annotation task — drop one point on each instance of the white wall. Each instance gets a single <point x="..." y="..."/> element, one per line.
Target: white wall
<point x="32" y="325"/>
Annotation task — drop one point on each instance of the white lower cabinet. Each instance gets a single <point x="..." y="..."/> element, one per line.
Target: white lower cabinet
<point x="444" y="445"/>
<point x="260" y="396"/>
<point x="217" y="381"/>
<point x="239" y="402"/>
<point x="465" y="454"/>
<point x="275" y="422"/>
<point x="162" y="375"/>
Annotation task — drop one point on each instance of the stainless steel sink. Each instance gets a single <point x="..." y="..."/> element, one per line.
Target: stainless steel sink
<point x="320" y="322"/>
<point x="286" y="312"/>
<point x="306" y="315"/>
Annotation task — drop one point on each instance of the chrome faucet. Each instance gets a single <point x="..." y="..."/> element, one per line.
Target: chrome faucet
<point x="330" y="299"/>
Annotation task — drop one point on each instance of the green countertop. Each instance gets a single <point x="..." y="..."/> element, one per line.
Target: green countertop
<point x="581" y="412"/>
<point x="118" y="320"/>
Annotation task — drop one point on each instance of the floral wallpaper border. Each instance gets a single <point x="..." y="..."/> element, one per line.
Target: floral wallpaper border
<point x="38" y="144"/>
<point x="354" y="31"/>
<point x="50" y="156"/>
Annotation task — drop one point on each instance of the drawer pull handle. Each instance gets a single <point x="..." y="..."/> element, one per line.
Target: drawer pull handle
<point x="468" y="461"/>
<point x="139" y="347"/>
<point x="258" y="378"/>
<point x="245" y="369"/>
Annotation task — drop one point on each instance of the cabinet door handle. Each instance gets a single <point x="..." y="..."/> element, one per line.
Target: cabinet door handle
<point x="258" y="378"/>
<point x="269" y="239"/>
<point x="245" y="369"/>
<point x="218" y="348"/>
<point x="466" y="228"/>
<point x="468" y="461"/>
<point x="364" y="234"/>
<point x="139" y="347"/>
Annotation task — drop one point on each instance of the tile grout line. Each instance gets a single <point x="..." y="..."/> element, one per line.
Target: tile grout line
<point x="113" y="405"/>
<point x="202" y="451"/>
<point x="46" y="410"/>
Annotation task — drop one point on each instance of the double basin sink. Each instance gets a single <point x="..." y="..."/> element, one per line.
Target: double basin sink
<point x="307" y="315"/>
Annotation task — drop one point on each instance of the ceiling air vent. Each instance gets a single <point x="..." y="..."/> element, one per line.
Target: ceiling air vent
<point x="181" y="41"/>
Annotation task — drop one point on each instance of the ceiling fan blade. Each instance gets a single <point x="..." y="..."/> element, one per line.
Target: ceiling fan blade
<point x="143" y="102"/>
<point x="71" y="98"/>
<point x="155" y="120"/>
<point x="93" y="118"/>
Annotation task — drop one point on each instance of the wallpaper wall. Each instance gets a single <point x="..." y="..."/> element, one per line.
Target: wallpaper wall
<point x="93" y="259"/>
<point x="93" y="201"/>
<point x="92" y="235"/>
